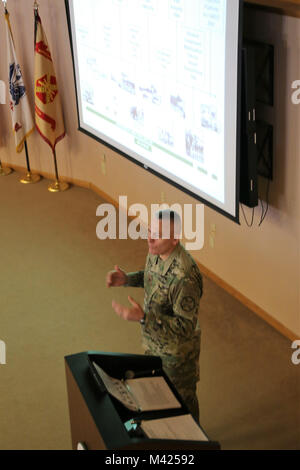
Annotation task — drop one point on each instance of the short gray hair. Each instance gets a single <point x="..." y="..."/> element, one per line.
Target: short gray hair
<point x="167" y="216"/>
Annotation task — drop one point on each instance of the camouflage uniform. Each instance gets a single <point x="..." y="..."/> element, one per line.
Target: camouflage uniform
<point x="173" y="289"/>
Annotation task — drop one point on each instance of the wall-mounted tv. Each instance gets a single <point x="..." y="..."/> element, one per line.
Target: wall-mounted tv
<point x="159" y="82"/>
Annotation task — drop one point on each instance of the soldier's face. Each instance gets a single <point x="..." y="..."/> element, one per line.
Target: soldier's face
<point x="161" y="239"/>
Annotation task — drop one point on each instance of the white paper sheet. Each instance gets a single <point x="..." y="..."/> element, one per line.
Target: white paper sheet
<point x="178" y="427"/>
<point x="152" y="393"/>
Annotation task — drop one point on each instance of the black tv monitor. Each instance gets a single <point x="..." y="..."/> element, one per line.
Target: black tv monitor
<point x="248" y="155"/>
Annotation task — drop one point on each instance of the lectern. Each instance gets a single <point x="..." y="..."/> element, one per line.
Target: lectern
<point x="98" y="420"/>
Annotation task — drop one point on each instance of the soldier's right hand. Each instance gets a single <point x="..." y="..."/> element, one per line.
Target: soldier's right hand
<point x="116" y="278"/>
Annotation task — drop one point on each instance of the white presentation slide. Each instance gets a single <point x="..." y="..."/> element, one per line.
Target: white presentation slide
<point x="157" y="80"/>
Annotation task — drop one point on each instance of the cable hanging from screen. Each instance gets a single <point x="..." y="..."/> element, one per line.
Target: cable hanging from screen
<point x="252" y="218"/>
<point x="263" y="210"/>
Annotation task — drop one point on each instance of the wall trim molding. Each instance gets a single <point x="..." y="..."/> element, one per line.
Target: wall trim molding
<point x="248" y="303"/>
<point x="282" y="7"/>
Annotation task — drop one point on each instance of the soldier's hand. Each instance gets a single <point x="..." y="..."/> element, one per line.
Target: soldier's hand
<point x="116" y="278"/>
<point x="134" y="313"/>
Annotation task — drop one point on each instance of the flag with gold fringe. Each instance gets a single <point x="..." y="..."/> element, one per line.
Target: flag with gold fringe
<point x="22" y="121"/>
<point x="48" y="111"/>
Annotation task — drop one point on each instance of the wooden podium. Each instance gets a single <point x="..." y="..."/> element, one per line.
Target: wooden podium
<point x="98" y="420"/>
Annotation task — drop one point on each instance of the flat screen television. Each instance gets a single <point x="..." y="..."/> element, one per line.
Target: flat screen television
<point x="159" y="81"/>
<point x="248" y="155"/>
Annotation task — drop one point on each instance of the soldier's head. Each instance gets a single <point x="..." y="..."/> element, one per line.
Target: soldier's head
<point x="164" y="233"/>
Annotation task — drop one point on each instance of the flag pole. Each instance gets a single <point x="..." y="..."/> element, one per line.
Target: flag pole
<point x="4" y="171"/>
<point x="20" y="119"/>
<point x="58" y="186"/>
<point x="29" y="178"/>
<point x="52" y="139"/>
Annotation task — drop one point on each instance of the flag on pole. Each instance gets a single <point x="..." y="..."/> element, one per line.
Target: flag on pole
<point x="22" y="121"/>
<point x="48" y="111"/>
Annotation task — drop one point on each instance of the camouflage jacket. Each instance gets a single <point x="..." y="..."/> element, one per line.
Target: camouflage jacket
<point x="173" y="289"/>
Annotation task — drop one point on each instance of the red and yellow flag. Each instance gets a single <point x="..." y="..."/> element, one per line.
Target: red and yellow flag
<point x="48" y="111"/>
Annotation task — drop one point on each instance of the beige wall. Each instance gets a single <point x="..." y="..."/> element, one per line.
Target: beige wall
<point x="261" y="263"/>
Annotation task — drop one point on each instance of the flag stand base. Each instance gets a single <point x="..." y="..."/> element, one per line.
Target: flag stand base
<point x="30" y="178"/>
<point x="5" y="171"/>
<point x="58" y="187"/>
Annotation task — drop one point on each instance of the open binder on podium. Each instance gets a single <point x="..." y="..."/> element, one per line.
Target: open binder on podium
<point x="138" y="394"/>
<point x="126" y="402"/>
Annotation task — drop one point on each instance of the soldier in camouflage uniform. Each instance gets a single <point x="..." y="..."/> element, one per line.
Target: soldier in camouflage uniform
<point x="173" y="288"/>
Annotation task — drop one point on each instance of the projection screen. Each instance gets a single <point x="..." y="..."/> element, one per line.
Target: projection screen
<point x="159" y="81"/>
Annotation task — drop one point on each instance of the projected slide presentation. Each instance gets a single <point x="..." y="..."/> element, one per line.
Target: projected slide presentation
<point x="157" y="80"/>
